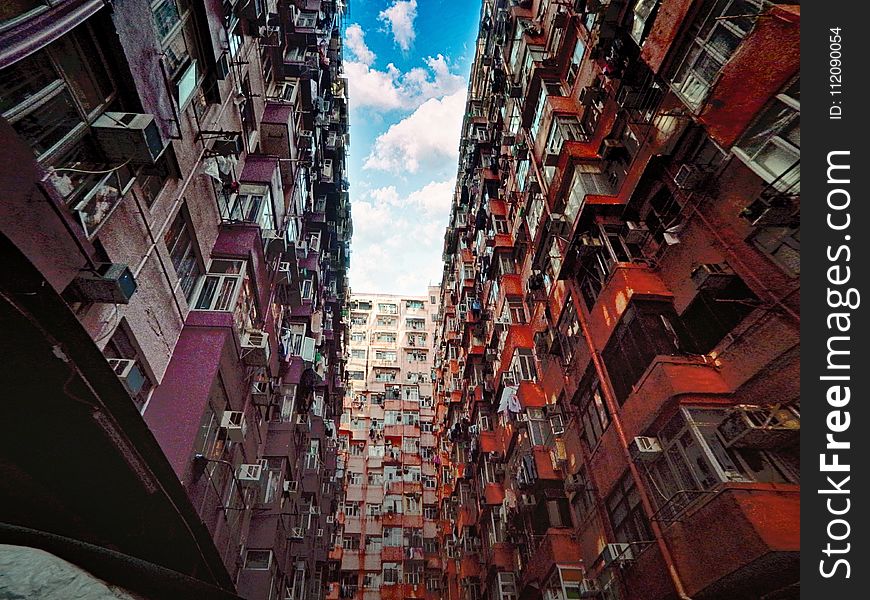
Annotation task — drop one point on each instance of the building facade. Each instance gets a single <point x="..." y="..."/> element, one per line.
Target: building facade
<point x="618" y="355"/>
<point x="177" y="230"/>
<point x="387" y="540"/>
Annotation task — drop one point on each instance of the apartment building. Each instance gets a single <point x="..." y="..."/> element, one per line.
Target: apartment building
<point x="386" y="545"/>
<point x="175" y="232"/>
<point x="617" y="360"/>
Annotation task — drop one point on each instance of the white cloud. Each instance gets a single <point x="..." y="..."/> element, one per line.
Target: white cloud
<point x="434" y="198"/>
<point x="390" y="89"/>
<point x="398" y="238"/>
<point x="400" y="17"/>
<point x="427" y="137"/>
<point x="354" y="39"/>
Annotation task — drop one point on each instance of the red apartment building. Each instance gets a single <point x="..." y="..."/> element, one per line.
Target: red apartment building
<point x="175" y="232"/>
<point x="387" y="544"/>
<point x="617" y="363"/>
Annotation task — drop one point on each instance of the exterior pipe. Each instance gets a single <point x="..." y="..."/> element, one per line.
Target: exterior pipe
<point x="613" y="407"/>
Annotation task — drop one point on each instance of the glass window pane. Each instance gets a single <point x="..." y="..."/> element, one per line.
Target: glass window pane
<point x="49" y="123"/>
<point x="25" y="79"/>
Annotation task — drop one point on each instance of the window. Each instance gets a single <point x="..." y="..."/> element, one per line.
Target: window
<point x="586" y="179"/>
<point x="350" y="541"/>
<point x="643" y="15"/>
<point x="413" y="505"/>
<point x="358" y="353"/>
<point x="258" y="559"/>
<point x="582" y="500"/>
<point x="351" y="509"/>
<point x="594" y="416"/>
<point x="538" y="427"/>
<point x="219" y="289"/>
<point x="626" y="512"/>
<point x="523" y="365"/>
<point x="308" y="291"/>
<point x="392" y="573"/>
<point x="576" y="60"/>
<point x="306" y="19"/>
<point x="389" y="309"/>
<point x="569" y="331"/>
<point x="385" y="355"/>
<point x="175" y="27"/>
<point x="564" y="129"/>
<point x="393" y="537"/>
<point x="505" y="586"/>
<point x="252" y="204"/>
<point x="647" y="329"/>
<point x="714" y="36"/>
<point x="539" y="113"/>
<point x="695" y="458"/>
<point x="50" y="98"/>
<point x="182" y="250"/>
<point x="413" y="573"/>
<point x="354" y="478"/>
<point x="122" y="345"/>
<point x="771" y="146"/>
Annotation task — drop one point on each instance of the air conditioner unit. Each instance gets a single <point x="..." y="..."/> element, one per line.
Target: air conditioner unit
<point x="712" y="276"/>
<point x="588" y="588"/>
<point x="760" y="427"/>
<point x="230" y="144"/>
<point x="320" y="532"/>
<point x="255" y="348"/>
<point x="314" y="509"/>
<point x="635" y="233"/>
<point x="110" y="283"/>
<point x="290" y="487"/>
<point x="129" y="373"/>
<point x="645" y="449"/>
<point x="234" y="425"/>
<point x="690" y="177"/>
<point x="528" y="500"/>
<point x="250" y="474"/>
<point x="132" y="137"/>
<point x="297" y="534"/>
<point x="619" y="553"/>
<point x="330" y="519"/>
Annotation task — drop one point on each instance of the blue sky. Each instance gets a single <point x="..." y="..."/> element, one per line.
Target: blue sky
<point x="407" y="64"/>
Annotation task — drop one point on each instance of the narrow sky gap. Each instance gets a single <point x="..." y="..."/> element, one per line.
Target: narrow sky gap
<point x="408" y="72"/>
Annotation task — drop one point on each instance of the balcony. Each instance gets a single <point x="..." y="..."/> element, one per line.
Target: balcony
<point x="729" y="108"/>
<point x="557" y="546"/>
<point x="668" y="377"/>
<point x="740" y="541"/>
